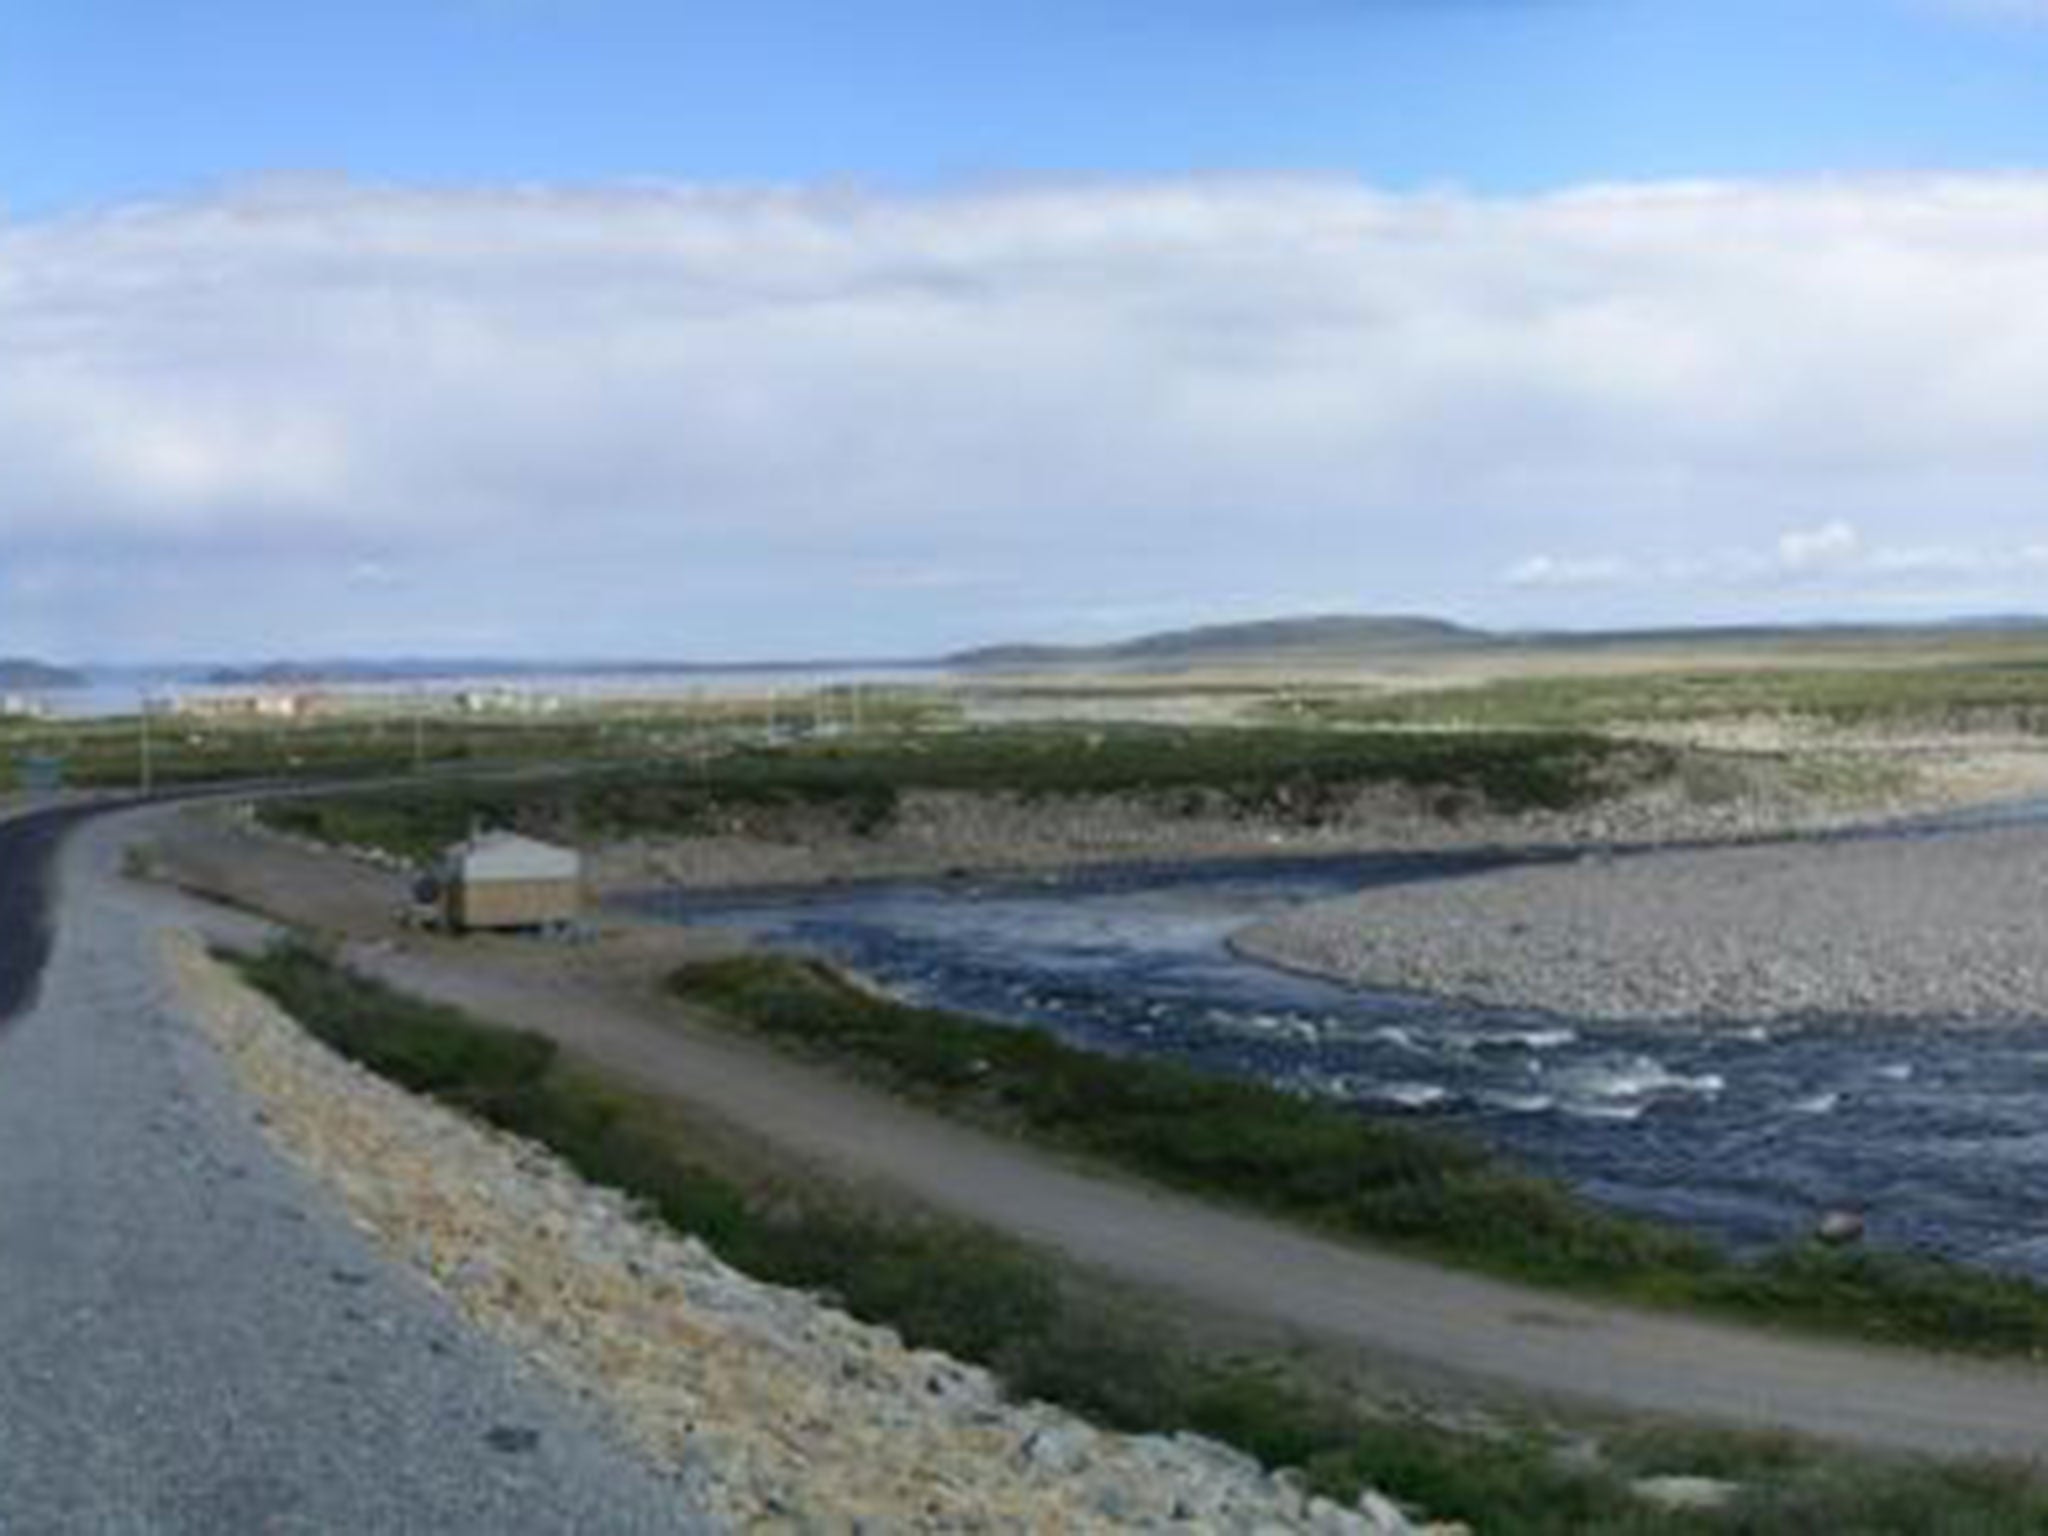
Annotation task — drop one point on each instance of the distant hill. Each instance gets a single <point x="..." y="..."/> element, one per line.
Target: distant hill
<point x="1306" y="641"/>
<point x="1325" y="636"/>
<point x="34" y="676"/>
<point x="1366" y="637"/>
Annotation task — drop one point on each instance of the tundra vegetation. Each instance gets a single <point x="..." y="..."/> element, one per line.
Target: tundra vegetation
<point x="387" y="738"/>
<point x="1957" y="698"/>
<point x="1292" y="776"/>
<point x="1050" y="1333"/>
<point x="1337" y="1168"/>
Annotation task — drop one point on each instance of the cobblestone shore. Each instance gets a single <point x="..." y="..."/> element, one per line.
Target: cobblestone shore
<point x="1947" y="927"/>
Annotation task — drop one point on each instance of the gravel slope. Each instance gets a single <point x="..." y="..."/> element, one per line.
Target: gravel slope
<point x="1949" y="927"/>
<point x="191" y="1340"/>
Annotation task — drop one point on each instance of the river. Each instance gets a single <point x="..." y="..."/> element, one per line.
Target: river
<point x="1743" y="1130"/>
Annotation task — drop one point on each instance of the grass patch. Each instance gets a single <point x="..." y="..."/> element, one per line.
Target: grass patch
<point x="1296" y="777"/>
<point x="388" y="740"/>
<point x="1960" y="697"/>
<point x="962" y="1289"/>
<point x="1331" y="1167"/>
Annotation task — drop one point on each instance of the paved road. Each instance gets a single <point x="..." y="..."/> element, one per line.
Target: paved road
<point x="191" y="1338"/>
<point x="1436" y="1320"/>
<point x="28" y="845"/>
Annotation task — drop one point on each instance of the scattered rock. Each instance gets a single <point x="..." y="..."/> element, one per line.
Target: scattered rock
<point x="1686" y="1495"/>
<point x="1950" y="928"/>
<point x="1839" y="1229"/>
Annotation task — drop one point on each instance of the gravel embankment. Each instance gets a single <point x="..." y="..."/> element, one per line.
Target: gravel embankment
<point x="1953" y="927"/>
<point x="938" y="833"/>
<point x="773" y="1409"/>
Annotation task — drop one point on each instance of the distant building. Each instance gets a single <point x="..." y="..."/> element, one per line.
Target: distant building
<point x="265" y="705"/>
<point x="22" y="706"/>
<point x="506" y="701"/>
<point x="500" y="880"/>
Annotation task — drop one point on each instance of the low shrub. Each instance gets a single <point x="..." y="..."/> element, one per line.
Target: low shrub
<point x="1293" y="777"/>
<point x="1335" y="1167"/>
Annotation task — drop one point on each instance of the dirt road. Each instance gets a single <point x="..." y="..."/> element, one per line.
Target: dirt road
<point x="1403" y="1311"/>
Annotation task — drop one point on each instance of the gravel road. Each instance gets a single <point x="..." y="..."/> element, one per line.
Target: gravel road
<point x="28" y="846"/>
<point x="191" y="1339"/>
<point x="1947" y="927"/>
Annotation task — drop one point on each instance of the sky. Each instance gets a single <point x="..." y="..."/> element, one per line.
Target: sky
<point x="602" y="328"/>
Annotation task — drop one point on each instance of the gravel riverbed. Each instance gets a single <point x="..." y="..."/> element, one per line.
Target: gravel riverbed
<point x="1944" y="928"/>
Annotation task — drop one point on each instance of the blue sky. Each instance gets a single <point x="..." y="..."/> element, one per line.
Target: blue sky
<point x="107" y="99"/>
<point x="795" y="328"/>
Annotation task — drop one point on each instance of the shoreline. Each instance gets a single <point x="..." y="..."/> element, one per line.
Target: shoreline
<point x="1776" y="889"/>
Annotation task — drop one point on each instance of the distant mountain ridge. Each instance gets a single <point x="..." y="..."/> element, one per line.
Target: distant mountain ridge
<point x="18" y="672"/>
<point x="1365" y="637"/>
<point x="1326" y="638"/>
<point x="1279" y="639"/>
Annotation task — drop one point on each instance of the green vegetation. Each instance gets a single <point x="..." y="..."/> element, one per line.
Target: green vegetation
<point x="370" y="742"/>
<point x="1300" y="777"/>
<point x="1330" y="1167"/>
<point x="2010" y="695"/>
<point x="1051" y="1334"/>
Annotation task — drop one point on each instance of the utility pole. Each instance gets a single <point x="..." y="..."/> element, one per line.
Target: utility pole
<point x="148" y="765"/>
<point x="419" y="734"/>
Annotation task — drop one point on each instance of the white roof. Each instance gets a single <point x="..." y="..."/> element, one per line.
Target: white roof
<point x="508" y="856"/>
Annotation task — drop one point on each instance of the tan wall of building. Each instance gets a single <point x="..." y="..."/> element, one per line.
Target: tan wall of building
<point x="514" y="903"/>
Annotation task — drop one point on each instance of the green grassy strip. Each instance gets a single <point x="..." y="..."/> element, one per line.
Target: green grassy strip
<point x="1964" y="697"/>
<point x="1293" y="776"/>
<point x="1331" y="1167"/>
<point x="194" y="749"/>
<point x="961" y="1289"/>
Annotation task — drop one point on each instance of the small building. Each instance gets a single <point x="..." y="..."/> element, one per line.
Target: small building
<point x="263" y="704"/>
<point x="502" y="880"/>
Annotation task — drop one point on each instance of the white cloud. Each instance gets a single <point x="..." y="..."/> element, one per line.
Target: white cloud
<point x="744" y="420"/>
<point x="1834" y="551"/>
<point x="1832" y="544"/>
<point x="1933" y="559"/>
<point x="1567" y="571"/>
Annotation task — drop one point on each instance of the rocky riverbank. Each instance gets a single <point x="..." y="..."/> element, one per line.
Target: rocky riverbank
<point x="1715" y="796"/>
<point x="773" y="1410"/>
<point x="1950" y="927"/>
